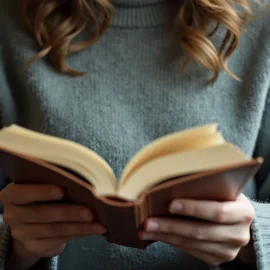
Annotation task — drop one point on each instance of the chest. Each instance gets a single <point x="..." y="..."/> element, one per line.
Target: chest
<point x="131" y="95"/>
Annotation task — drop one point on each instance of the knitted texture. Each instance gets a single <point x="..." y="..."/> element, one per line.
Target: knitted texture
<point x="132" y="93"/>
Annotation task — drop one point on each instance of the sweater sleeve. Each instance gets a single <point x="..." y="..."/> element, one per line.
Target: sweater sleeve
<point x="43" y="264"/>
<point x="4" y="243"/>
<point x="5" y="237"/>
<point x="4" y="232"/>
<point x="261" y="235"/>
<point x="261" y="224"/>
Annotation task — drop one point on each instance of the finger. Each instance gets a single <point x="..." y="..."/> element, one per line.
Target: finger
<point x="199" y="230"/>
<point x="209" y="252"/>
<point x="46" y="213"/>
<point x="48" y="247"/>
<point x="57" y="250"/>
<point x="34" y="231"/>
<point x="208" y="258"/>
<point x="219" y="251"/>
<point x="29" y="193"/>
<point x="218" y="212"/>
<point x="223" y="251"/>
<point x="33" y="249"/>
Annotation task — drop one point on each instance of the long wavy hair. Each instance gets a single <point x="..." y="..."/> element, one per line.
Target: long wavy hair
<point x="54" y="25"/>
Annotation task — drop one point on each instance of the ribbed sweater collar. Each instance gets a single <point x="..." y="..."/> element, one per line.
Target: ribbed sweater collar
<point x="143" y="13"/>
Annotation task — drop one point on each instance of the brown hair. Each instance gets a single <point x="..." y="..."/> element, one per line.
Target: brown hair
<point x="55" y="24"/>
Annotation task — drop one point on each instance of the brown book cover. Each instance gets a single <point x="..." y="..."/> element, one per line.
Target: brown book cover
<point x="124" y="218"/>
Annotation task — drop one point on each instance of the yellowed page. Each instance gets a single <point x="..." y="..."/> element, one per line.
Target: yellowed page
<point x="178" y="141"/>
<point x="177" y="164"/>
<point x="61" y="152"/>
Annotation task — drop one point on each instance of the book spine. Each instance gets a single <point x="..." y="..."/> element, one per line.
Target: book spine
<point x="122" y="225"/>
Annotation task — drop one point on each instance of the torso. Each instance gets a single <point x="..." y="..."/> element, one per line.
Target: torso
<point x="132" y="93"/>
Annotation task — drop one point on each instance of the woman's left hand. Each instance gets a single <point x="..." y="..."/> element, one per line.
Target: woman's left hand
<point x="223" y="228"/>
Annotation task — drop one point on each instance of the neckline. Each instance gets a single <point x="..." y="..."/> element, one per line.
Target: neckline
<point x="142" y="13"/>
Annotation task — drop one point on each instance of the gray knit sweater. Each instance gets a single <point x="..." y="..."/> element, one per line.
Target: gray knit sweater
<point x="132" y="93"/>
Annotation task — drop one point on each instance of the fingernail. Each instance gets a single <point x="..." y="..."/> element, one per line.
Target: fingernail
<point x="152" y="226"/>
<point x="57" y="193"/>
<point x="146" y="236"/>
<point x="176" y="207"/>
<point x="86" y="215"/>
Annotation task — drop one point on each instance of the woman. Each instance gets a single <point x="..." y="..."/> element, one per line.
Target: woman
<point x="134" y="90"/>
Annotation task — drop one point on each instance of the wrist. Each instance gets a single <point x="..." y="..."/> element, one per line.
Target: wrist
<point x="18" y="258"/>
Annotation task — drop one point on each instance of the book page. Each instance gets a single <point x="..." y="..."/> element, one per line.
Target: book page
<point x="61" y="152"/>
<point x="196" y="137"/>
<point x="179" y="164"/>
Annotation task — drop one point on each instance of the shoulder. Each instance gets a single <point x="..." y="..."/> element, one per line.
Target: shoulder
<point x="257" y="33"/>
<point x="261" y="18"/>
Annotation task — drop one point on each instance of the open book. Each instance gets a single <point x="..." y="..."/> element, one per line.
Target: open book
<point x="193" y="163"/>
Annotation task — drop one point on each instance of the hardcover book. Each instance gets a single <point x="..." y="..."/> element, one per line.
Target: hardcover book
<point x="196" y="163"/>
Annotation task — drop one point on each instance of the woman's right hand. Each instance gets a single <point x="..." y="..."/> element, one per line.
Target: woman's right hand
<point x="39" y="229"/>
